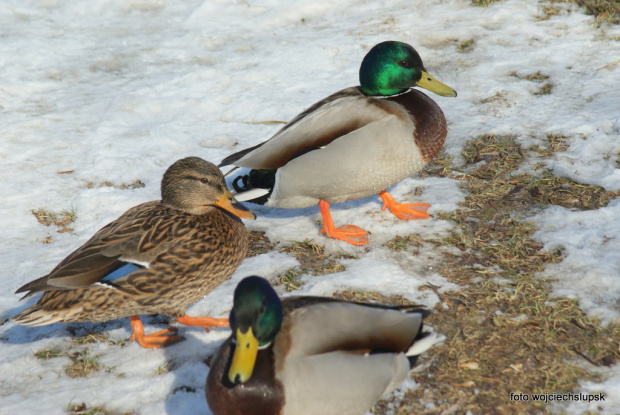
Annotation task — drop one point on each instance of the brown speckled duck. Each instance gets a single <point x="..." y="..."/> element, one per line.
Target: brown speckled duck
<point x="311" y="355"/>
<point x="352" y="144"/>
<point x="157" y="258"/>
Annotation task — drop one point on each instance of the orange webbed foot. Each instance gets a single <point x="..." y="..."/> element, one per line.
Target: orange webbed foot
<point x="207" y="322"/>
<point x="404" y="211"/>
<point x="157" y="340"/>
<point x="348" y="233"/>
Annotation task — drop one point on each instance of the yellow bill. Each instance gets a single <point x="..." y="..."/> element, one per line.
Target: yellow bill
<point x="433" y="85"/>
<point x="229" y="203"/>
<point x="244" y="357"/>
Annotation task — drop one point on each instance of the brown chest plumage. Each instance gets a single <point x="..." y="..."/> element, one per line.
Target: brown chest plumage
<point x="430" y="123"/>
<point x="261" y="395"/>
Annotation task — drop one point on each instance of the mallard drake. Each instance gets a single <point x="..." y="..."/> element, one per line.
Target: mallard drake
<point x="157" y="258"/>
<point x="311" y="355"/>
<point x="352" y="144"/>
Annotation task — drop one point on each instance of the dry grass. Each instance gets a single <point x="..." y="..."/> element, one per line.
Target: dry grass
<point x="545" y="89"/>
<point x="552" y="144"/>
<point x="605" y="11"/>
<point x="440" y="166"/>
<point x="136" y="184"/>
<point x="548" y="11"/>
<point x="313" y="261"/>
<point x="93" y="337"/>
<point x="47" y="354"/>
<point x="164" y="368"/>
<point x="61" y="220"/>
<point x="483" y="3"/>
<point x="373" y="297"/>
<point x="168" y="366"/>
<point x="465" y="46"/>
<point x="503" y="331"/>
<point x="290" y="280"/>
<point x="83" y="409"/>
<point x="400" y="243"/>
<point x="259" y="244"/>
<point x="313" y="258"/>
<point x="498" y="96"/>
<point x="83" y="364"/>
<point x="535" y="77"/>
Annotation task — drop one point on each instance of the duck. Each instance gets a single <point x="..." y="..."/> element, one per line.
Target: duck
<point x="311" y="355"/>
<point x="355" y="143"/>
<point x="157" y="258"/>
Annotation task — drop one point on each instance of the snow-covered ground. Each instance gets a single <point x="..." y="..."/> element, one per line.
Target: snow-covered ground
<point x="117" y="90"/>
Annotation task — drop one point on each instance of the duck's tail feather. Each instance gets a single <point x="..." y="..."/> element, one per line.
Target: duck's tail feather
<point x="37" y="316"/>
<point x="250" y="195"/>
<point x="255" y="187"/>
<point x="422" y="343"/>
<point x="238" y="155"/>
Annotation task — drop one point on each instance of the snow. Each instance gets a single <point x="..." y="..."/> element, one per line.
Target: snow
<point x="117" y="90"/>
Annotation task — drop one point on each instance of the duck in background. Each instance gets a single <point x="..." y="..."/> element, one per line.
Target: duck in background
<point x="352" y="144"/>
<point x="311" y="355"/>
<point x="157" y="258"/>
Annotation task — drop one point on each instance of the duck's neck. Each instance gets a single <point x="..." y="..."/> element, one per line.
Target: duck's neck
<point x="383" y="93"/>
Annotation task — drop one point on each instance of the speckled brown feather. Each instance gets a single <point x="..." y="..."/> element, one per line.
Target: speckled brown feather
<point x="188" y="255"/>
<point x="183" y="271"/>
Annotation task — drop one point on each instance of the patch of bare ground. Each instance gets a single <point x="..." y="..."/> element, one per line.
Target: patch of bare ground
<point x="83" y="409"/>
<point x="312" y="258"/>
<point x="259" y="244"/>
<point x="504" y="333"/>
<point x="60" y="220"/>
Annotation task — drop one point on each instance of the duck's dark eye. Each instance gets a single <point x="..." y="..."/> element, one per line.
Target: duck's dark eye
<point x="404" y="64"/>
<point x="204" y="180"/>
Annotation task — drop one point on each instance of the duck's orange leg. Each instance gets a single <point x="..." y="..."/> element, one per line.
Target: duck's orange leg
<point x="206" y="322"/>
<point x="404" y="211"/>
<point x="157" y="340"/>
<point x="348" y="233"/>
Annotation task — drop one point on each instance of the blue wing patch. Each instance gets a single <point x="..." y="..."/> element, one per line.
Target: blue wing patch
<point x="120" y="272"/>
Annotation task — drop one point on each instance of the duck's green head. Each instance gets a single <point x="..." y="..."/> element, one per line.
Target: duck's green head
<point x="255" y="319"/>
<point x="392" y="67"/>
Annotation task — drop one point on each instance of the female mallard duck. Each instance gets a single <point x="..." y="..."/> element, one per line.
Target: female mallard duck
<point x="310" y="355"/>
<point x="157" y="258"/>
<point x="354" y="143"/>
